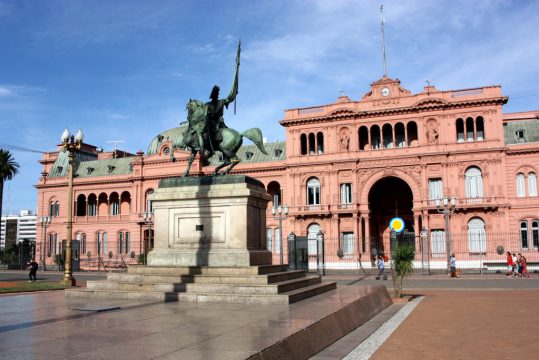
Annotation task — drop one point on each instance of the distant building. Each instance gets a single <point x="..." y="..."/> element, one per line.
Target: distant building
<point x="18" y="228"/>
<point x="345" y="170"/>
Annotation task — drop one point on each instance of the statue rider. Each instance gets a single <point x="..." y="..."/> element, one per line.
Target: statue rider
<point x="214" y="116"/>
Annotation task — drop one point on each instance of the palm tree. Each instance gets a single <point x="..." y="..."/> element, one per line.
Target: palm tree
<point x="8" y="169"/>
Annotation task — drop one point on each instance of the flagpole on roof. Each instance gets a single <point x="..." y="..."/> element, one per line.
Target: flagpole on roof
<point x="382" y="22"/>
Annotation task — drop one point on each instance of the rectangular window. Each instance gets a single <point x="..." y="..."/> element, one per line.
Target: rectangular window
<point x="98" y="243"/>
<point x="521" y="185"/>
<point x="524" y="234"/>
<point x="269" y="239"/>
<point x="313" y="195"/>
<point x="277" y="241"/>
<point x="115" y="208"/>
<point x="346" y="193"/>
<point x="120" y="242"/>
<point x="347" y="243"/>
<point x="435" y="189"/>
<point x="127" y="242"/>
<point x="83" y="243"/>
<point x="532" y="184"/>
<point x="535" y="234"/>
<point x="437" y="242"/>
<point x="104" y="243"/>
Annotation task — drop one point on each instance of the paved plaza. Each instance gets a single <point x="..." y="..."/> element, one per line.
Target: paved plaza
<point x="449" y="319"/>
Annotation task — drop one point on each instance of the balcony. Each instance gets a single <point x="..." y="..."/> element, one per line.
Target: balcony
<point x="473" y="202"/>
<point x="99" y="218"/>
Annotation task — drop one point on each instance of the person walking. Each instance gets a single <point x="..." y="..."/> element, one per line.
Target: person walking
<point x="33" y="271"/>
<point x="509" y="264"/>
<point x="381" y="267"/>
<point x="453" y="266"/>
<point x="515" y="264"/>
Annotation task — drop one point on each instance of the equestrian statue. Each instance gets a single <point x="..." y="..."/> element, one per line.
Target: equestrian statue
<point x="207" y="133"/>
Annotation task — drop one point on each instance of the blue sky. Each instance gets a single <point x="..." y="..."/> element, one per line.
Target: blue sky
<point x="124" y="70"/>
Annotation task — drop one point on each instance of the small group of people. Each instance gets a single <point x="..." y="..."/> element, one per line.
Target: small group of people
<point x="517" y="266"/>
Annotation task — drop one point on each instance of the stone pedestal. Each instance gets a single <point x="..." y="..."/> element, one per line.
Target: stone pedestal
<point x="210" y="221"/>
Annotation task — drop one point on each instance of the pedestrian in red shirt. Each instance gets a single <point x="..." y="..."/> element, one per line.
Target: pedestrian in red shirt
<point x="509" y="264"/>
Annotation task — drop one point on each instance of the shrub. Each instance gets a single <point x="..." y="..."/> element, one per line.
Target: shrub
<point x="403" y="258"/>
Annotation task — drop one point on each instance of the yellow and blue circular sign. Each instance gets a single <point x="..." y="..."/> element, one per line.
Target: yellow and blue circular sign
<point x="396" y="224"/>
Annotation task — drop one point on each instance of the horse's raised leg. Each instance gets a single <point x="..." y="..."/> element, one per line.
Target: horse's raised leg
<point x="233" y="163"/>
<point x="189" y="162"/>
<point x="220" y="166"/>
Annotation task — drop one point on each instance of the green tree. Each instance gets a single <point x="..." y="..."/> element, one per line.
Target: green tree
<point x="8" y="169"/>
<point x="403" y="258"/>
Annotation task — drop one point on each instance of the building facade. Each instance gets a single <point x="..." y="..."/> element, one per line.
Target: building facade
<point x="344" y="172"/>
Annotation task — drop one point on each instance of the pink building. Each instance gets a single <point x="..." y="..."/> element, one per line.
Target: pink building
<point x="346" y="169"/>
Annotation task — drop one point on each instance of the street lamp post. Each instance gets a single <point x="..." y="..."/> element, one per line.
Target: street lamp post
<point x="71" y="143"/>
<point x="278" y="214"/>
<point x="148" y="217"/>
<point x="447" y="206"/>
<point x="44" y="221"/>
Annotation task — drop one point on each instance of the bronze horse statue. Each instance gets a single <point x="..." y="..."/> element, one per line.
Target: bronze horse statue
<point x="225" y="140"/>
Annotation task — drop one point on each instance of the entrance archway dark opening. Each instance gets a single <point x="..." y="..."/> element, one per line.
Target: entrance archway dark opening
<point x="389" y="197"/>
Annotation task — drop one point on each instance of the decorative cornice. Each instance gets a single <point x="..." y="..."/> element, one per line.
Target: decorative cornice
<point x="414" y="109"/>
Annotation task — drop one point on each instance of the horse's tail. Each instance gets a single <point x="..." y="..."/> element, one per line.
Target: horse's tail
<point x="255" y="135"/>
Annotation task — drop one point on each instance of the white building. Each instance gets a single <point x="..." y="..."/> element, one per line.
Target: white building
<point x="18" y="228"/>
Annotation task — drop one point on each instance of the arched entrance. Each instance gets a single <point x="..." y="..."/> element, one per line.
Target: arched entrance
<point x="389" y="197"/>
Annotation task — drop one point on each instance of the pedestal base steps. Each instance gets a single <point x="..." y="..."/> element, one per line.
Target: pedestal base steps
<point x="266" y="284"/>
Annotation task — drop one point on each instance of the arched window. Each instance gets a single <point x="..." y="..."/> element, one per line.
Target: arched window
<point x="303" y="141"/>
<point x="312" y="234"/>
<point x="521" y="185"/>
<point x="125" y="203"/>
<point x="480" y="126"/>
<point x="312" y="148"/>
<point x="532" y="184"/>
<point x="460" y="130"/>
<point x="375" y="137"/>
<point x="469" y="129"/>
<point x="320" y="143"/>
<point x="363" y="137"/>
<point x="387" y="133"/>
<point x="102" y="204"/>
<point x="114" y="204"/>
<point x="81" y="205"/>
<point x="274" y="190"/>
<point x="535" y="234"/>
<point x="313" y="191"/>
<point x="400" y="136"/>
<point x="54" y="208"/>
<point x="474" y="184"/>
<point x="148" y="203"/>
<point x="92" y="205"/>
<point x="411" y="129"/>
<point x="524" y="234"/>
<point x="477" y="237"/>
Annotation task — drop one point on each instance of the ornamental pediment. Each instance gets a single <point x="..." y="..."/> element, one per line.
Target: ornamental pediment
<point x="342" y="111"/>
<point x="430" y="102"/>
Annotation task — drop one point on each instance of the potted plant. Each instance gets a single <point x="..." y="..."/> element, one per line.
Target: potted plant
<point x="402" y="260"/>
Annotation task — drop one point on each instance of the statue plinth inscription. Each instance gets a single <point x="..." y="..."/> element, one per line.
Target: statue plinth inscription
<point x="207" y="221"/>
